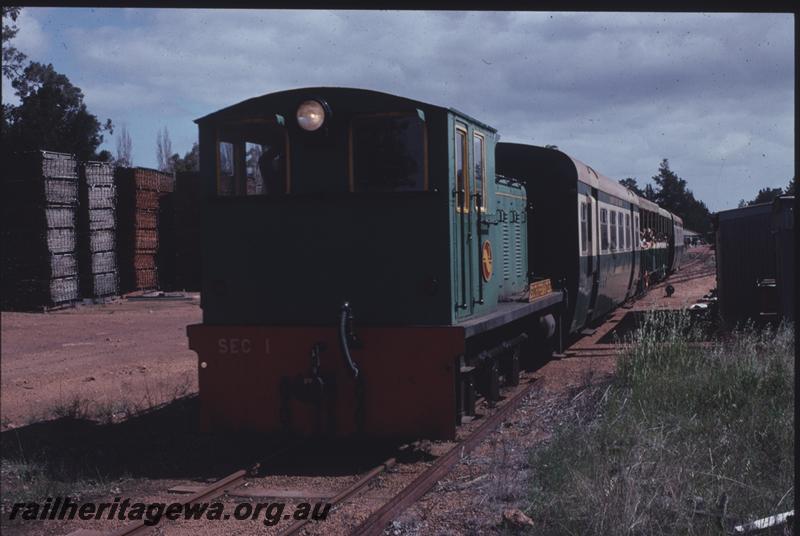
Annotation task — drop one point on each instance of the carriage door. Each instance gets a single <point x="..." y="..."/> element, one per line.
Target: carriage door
<point x="464" y="231"/>
<point x="593" y="264"/>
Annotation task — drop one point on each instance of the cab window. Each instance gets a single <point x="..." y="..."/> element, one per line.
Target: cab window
<point x="462" y="181"/>
<point x="480" y="171"/>
<point x="226" y="185"/>
<point x="252" y="159"/>
<point x="388" y="153"/>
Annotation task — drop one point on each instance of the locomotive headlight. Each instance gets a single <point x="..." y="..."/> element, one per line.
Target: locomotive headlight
<point x="310" y="115"/>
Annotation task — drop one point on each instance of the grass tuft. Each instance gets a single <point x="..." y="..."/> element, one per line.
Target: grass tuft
<point x="685" y="440"/>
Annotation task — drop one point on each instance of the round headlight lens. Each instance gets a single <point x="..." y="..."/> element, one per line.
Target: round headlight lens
<point x="310" y="115"/>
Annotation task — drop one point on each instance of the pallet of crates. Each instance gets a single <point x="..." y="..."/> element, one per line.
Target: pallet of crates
<point x="98" y="231"/>
<point x="165" y="256"/>
<point x="137" y="228"/>
<point x="40" y="204"/>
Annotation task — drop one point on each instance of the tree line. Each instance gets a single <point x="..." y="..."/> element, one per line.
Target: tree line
<point x="52" y="115"/>
<point x="671" y="193"/>
<point x="767" y="195"/>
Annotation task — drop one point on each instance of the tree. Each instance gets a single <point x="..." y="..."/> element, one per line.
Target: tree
<point x="12" y="58"/>
<point x="124" y="148"/>
<point x="650" y="193"/>
<point x="673" y="195"/>
<point x="766" y="195"/>
<point x="631" y="184"/>
<point x="164" y="150"/>
<point x="190" y="161"/>
<point x="790" y="187"/>
<point x="51" y="115"/>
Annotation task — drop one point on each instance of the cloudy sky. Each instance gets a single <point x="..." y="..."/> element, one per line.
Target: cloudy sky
<point x="713" y="93"/>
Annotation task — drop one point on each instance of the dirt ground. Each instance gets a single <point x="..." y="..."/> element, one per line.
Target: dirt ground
<point x="114" y="357"/>
<point x="134" y="354"/>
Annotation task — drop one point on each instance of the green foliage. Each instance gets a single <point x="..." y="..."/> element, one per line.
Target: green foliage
<point x="673" y="195"/>
<point x="12" y="58"/>
<point x="767" y="195"/>
<point x="189" y="162"/>
<point x="680" y="432"/>
<point x="631" y="184"/>
<point x="51" y="115"/>
<point x="650" y="193"/>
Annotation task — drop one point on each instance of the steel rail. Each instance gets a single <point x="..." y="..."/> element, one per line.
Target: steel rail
<point x="379" y="519"/>
<point x="345" y="493"/>
<point x="214" y="489"/>
<point x="217" y="488"/>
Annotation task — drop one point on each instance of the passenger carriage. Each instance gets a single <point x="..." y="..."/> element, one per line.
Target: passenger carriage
<point x="582" y="226"/>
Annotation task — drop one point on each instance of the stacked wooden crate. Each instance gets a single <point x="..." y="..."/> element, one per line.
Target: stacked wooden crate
<point x="40" y="204"/>
<point x="187" y="230"/>
<point x="97" y="236"/>
<point x="165" y="258"/>
<point x="137" y="227"/>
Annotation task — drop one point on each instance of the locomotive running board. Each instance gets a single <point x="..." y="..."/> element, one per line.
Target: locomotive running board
<point x="508" y="312"/>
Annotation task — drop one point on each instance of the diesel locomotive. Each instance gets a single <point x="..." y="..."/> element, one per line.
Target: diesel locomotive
<point x="372" y="264"/>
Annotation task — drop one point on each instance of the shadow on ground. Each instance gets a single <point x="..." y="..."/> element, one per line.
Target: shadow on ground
<point x="165" y="443"/>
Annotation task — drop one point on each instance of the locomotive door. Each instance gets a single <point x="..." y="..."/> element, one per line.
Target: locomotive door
<point x="464" y="232"/>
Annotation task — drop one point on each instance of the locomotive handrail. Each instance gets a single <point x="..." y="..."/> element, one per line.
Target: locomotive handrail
<point x="478" y="204"/>
<point x="345" y="319"/>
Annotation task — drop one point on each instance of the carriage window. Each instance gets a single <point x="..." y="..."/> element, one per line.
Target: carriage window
<point x="604" y="229"/>
<point x="388" y="153"/>
<point x="462" y="184"/>
<point x="584" y="221"/>
<point x="636" y="229"/>
<point x="252" y="159"/>
<point x="628" y="231"/>
<point x="477" y="150"/>
<point x="620" y="232"/>
<point x="613" y="230"/>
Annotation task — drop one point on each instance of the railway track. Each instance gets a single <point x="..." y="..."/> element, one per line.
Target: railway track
<point x="235" y="484"/>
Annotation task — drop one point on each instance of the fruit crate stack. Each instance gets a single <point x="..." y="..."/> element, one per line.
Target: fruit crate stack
<point x="97" y="224"/>
<point x="187" y="230"/>
<point x="40" y="204"/>
<point x="165" y="258"/>
<point x="137" y="227"/>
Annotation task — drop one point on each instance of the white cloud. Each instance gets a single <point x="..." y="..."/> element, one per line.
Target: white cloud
<point x="620" y="91"/>
<point x="30" y="39"/>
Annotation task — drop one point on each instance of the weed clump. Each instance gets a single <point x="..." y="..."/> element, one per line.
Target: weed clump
<point x="688" y="438"/>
